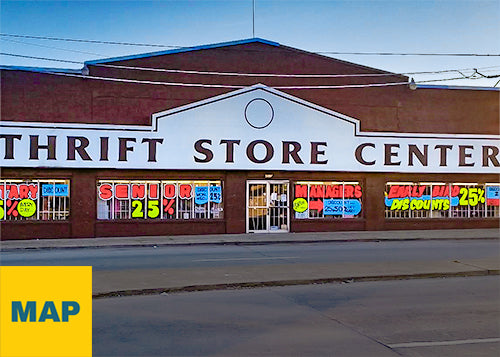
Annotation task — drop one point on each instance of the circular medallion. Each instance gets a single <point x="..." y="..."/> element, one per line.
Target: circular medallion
<point x="259" y="113"/>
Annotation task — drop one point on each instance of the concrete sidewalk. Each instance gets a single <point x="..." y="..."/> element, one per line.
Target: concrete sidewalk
<point x="251" y="238"/>
<point x="156" y="281"/>
<point x="108" y="283"/>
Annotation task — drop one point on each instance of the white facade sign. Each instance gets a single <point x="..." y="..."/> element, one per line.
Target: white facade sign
<point x="256" y="128"/>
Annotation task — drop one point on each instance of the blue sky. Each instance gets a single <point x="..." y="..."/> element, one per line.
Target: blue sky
<point x="445" y="26"/>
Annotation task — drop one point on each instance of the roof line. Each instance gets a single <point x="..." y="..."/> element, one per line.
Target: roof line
<point x="183" y="49"/>
<point x="40" y="69"/>
<point x="360" y="66"/>
<point x="237" y="42"/>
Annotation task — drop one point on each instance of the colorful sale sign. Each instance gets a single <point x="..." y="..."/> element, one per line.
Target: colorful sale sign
<point x="441" y="197"/>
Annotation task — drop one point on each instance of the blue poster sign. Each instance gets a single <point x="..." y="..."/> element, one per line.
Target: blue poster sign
<point x="201" y="194"/>
<point x="216" y="194"/>
<point x="61" y="190"/>
<point x="336" y="207"/>
<point x="493" y="192"/>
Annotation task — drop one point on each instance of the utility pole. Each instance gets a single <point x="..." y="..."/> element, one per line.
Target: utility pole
<point x="253" y="18"/>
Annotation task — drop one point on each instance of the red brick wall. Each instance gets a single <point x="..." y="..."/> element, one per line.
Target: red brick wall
<point x="43" y="97"/>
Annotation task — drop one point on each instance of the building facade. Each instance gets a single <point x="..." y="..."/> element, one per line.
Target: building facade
<point x="247" y="136"/>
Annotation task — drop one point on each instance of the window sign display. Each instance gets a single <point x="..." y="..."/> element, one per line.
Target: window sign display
<point x="441" y="200"/>
<point x="493" y="195"/>
<point x="34" y="200"/>
<point x="327" y="199"/>
<point x="204" y="193"/>
<point x="123" y="199"/>
<point x="60" y="190"/>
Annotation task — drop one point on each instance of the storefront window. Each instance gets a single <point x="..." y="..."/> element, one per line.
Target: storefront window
<point x="161" y="199"/>
<point x="327" y="200"/>
<point x="35" y="200"/>
<point x="441" y="200"/>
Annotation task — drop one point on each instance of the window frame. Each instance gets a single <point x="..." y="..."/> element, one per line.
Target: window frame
<point x="184" y="208"/>
<point x="325" y="183"/>
<point x="48" y="207"/>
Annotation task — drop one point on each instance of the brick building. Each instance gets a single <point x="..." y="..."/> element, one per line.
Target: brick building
<point x="120" y="148"/>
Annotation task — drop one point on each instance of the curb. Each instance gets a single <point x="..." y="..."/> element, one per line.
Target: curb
<point x="189" y="244"/>
<point x="292" y="282"/>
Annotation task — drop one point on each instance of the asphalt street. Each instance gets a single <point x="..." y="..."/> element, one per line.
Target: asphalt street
<point x="190" y="300"/>
<point x="426" y="317"/>
<point x="138" y="270"/>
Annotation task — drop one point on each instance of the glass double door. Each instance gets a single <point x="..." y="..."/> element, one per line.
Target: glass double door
<point x="267" y="206"/>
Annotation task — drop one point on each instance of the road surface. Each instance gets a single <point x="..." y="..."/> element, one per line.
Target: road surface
<point x="425" y="317"/>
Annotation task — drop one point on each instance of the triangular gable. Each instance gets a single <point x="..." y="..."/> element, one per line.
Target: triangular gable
<point x="142" y="58"/>
<point x="181" y="50"/>
<point x="241" y="97"/>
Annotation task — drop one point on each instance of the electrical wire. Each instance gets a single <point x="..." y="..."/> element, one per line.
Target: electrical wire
<point x="486" y="76"/>
<point x="319" y="52"/>
<point x="137" y="81"/>
<point x="180" y="84"/>
<point x="261" y="74"/>
<point x="52" y="47"/>
<point x="202" y="85"/>
<point x="286" y="75"/>
<point x="89" y="41"/>
<point x="239" y="74"/>
<point x="410" y="54"/>
<point x="40" y="58"/>
<point x="443" y="79"/>
<point x="472" y="76"/>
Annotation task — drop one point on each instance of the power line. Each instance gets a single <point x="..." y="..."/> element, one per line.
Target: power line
<point x="39" y="58"/>
<point x="89" y="41"/>
<point x="202" y="85"/>
<point x="249" y="74"/>
<point x="319" y="52"/>
<point x="52" y="47"/>
<point x="240" y="74"/>
<point x="410" y="54"/>
<point x="486" y="76"/>
<point x="137" y="81"/>
<point x="474" y="75"/>
<point x="288" y="75"/>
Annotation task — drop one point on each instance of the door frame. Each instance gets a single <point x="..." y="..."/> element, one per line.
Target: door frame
<point x="268" y="196"/>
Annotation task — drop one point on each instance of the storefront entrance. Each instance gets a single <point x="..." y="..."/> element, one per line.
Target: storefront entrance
<point x="267" y="206"/>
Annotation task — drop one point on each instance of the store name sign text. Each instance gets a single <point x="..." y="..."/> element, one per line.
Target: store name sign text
<point x="256" y="128"/>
